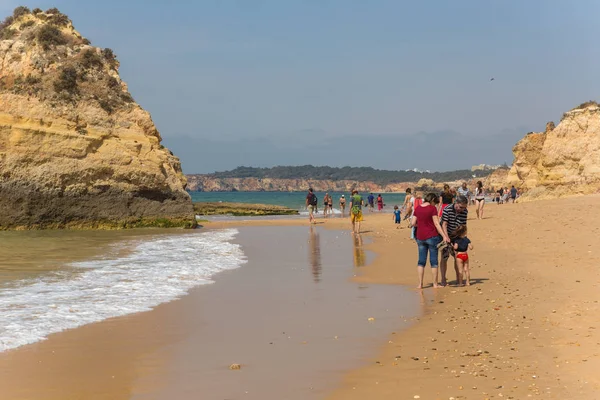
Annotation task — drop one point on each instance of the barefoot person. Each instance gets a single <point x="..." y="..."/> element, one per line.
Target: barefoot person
<point x="371" y="200"/>
<point x="428" y="230"/>
<point x="343" y="204"/>
<point x="453" y="216"/>
<point x="462" y="244"/>
<point x="356" y="203"/>
<point x="311" y="205"/>
<point x="513" y="193"/>
<point x="379" y="203"/>
<point x="464" y="190"/>
<point x="326" y="205"/>
<point x="479" y="199"/>
<point x="407" y="206"/>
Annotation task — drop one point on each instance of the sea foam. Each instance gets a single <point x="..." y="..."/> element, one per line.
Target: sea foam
<point x="155" y="271"/>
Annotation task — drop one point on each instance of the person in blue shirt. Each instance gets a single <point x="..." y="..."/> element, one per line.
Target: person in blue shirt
<point x="396" y="215"/>
<point x="371" y="201"/>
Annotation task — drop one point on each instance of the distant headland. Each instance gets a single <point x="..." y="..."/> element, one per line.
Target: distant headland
<point x="323" y="178"/>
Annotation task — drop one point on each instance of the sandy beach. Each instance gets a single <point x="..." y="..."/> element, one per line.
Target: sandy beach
<point x="526" y="328"/>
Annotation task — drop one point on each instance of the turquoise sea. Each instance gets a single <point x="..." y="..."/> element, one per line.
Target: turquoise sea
<point x="295" y="200"/>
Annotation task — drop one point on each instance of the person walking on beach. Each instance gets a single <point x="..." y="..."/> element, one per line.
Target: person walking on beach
<point x="417" y="201"/>
<point x="428" y="231"/>
<point x="407" y="206"/>
<point x="452" y="217"/>
<point x="343" y="205"/>
<point x="462" y="244"/>
<point x="479" y="199"/>
<point x="326" y="205"/>
<point x="446" y="198"/>
<point x="464" y="190"/>
<point x="371" y="200"/>
<point x="379" y="203"/>
<point x="513" y="193"/>
<point x="311" y="205"/>
<point x="356" y="203"/>
<point x="396" y="215"/>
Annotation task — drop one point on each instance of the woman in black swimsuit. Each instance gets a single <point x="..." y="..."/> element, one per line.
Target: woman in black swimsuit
<point x="479" y="199"/>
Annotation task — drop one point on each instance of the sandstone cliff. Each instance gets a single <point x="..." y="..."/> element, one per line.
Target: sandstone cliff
<point x="75" y="149"/>
<point x="564" y="160"/>
<point x="496" y="179"/>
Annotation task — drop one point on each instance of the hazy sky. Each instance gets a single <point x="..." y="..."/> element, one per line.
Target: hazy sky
<point x="388" y="84"/>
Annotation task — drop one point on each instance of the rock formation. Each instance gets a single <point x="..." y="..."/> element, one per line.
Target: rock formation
<point x="75" y="148"/>
<point x="562" y="161"/>
<point x="496" y="179"/>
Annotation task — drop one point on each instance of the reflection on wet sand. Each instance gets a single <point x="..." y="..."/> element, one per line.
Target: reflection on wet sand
<point x="359" y="252"/>
<point x="314" y="248"/>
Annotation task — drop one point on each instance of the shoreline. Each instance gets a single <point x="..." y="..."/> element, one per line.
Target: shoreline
<point x="272" y="316"/>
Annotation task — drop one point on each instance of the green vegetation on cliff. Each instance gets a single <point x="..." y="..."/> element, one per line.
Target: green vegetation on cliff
<point x="362" y="174"/>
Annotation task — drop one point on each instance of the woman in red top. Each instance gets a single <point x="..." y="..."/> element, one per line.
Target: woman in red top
<point x="379" y="202"/>
<point x="425" y="219"/>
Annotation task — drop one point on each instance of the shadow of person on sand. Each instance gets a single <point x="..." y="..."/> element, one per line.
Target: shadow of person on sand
<point x="359" y="253"/>
<point x="474" y="281"/>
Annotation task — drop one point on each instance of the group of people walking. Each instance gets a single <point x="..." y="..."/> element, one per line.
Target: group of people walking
<point x="445" y="236"/>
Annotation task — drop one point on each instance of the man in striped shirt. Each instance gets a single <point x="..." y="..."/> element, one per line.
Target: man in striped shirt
<point x="453" y="216"/>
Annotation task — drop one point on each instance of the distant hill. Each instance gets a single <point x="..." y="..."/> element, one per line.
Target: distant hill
<point x="361" y="174"/>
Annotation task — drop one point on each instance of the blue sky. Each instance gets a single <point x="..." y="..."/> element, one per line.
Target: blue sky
<point x="388" y="84"/>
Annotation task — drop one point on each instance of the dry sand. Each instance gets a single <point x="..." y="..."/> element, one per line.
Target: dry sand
<point x="529" y="326"/>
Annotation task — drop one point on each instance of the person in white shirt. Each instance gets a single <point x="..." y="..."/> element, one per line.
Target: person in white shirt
<point x="464" y="190"/>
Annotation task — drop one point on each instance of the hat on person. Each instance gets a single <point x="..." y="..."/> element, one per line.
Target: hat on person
<point x="342" y="195"/>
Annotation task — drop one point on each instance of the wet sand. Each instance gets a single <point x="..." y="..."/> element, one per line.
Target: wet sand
<point x="291" y="317"/>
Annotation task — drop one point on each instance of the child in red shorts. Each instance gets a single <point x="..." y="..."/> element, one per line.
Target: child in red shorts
<point x="462" y="244"/>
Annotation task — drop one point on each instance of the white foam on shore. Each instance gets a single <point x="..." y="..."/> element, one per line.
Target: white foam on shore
<point x="156" y="271"/>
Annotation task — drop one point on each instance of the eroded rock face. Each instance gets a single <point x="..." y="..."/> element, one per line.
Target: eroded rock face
<point x="497" y="179"/>
<point x="75" y="149"/>
<point x="562" y="161"/>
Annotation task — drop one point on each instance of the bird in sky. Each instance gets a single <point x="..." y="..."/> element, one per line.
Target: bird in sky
<point x="492" y="79"/>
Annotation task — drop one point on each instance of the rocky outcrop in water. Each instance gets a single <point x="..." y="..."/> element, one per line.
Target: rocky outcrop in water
<point x="562" y="161"/>
<point x="75" y="148"/>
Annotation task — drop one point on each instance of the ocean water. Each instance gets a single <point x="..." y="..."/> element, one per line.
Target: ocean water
<point x="294" y="200"/>
<point x="133" y="273"/>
